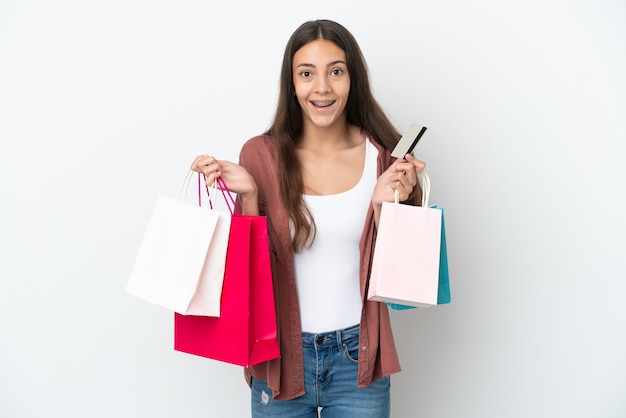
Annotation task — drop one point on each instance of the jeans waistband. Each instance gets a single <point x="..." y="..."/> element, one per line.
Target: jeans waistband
<point x="330" y="338"/>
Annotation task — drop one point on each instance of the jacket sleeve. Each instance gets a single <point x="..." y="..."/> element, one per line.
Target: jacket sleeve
<point x="252" y="157"/>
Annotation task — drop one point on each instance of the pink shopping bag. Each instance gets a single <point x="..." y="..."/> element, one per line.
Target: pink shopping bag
<point x="409" y="266"/>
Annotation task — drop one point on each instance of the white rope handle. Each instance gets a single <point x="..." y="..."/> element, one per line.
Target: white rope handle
<point x="213" y="195"/>
<point x="182" y="192"/>
<point x="424" y="181"/>
<point x="425" y="184"/>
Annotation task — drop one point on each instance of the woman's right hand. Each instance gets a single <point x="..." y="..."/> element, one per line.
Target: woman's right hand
<point x="237" y="178"/>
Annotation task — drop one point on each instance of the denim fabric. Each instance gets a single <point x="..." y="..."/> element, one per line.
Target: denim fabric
<point x="330" y="379"/>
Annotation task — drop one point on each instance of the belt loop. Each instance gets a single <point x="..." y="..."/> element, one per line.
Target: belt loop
<point x="339" y="339"/>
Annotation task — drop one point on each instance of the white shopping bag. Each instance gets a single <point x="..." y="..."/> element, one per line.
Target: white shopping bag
<point x="181" y="259"/>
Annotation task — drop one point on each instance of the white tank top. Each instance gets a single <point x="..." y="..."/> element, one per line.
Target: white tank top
<point x="327" y="273"/>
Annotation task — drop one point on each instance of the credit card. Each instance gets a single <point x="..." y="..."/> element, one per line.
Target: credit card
<point x="408" y="141"/>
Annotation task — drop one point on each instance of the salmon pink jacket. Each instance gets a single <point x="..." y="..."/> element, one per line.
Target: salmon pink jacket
<point x="285" y="375"/>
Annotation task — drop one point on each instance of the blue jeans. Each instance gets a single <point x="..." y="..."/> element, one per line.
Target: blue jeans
<point x="330" y="381"/>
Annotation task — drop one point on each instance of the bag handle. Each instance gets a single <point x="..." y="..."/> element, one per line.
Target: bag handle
<point x="182" y="192"/>
<point x="424" y="181"/>
<point x="228" y="197"/>
<point x="218" y="183"/>
<point x="211" y="198"/>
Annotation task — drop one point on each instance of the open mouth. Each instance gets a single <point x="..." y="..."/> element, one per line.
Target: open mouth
<point x="324" y="103"/>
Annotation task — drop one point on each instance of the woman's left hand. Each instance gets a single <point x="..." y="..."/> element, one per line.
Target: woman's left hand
<point x="400" y="176"/>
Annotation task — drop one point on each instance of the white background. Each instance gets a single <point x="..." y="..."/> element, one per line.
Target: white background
<point x="103" y="106"/>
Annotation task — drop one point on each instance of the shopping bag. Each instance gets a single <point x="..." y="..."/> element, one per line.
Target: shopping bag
<point x="181" y="260"/>
<point x="410" y="261"/>
<point x="245" y="333"/>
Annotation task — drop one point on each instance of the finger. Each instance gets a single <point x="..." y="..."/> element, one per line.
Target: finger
<point x="405" y="185"/>
<point x="404" y="166"/>
<point x="202" y="161"/>
<point x="209" y="165"/>
<point x="402" y="193"/>
<point x="408" y="179"/>
<point x="418" y="164"/>
<point x="195" y="165"/>
<point x="211" y="177"/>
<point x="410" y="174"/>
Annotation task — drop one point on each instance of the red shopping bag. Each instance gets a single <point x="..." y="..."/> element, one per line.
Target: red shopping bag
<point x="245" y="333"/>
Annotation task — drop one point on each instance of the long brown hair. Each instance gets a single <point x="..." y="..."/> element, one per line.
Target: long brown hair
<point x="361" y="109"/>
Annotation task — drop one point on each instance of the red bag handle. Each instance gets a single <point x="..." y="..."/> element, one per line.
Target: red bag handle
<point x="228" y="197"/>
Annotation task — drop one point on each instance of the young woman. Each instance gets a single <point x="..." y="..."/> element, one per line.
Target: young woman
<point x="320" y="175"/>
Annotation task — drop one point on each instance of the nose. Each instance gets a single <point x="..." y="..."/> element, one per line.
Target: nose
<point x="323" y="85"/>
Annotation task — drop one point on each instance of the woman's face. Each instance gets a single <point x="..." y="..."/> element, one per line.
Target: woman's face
<point x="322" y="82"/>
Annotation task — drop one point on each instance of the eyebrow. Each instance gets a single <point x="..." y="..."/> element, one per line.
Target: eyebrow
<point x="330" y="64"/>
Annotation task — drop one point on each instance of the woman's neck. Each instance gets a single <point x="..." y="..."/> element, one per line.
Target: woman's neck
<point x="338" y="136"/>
